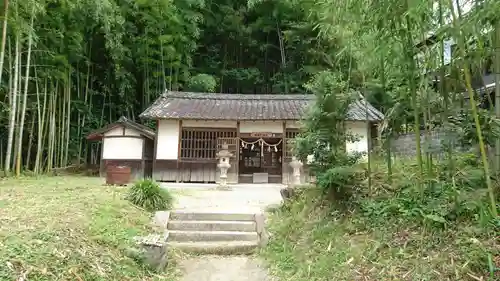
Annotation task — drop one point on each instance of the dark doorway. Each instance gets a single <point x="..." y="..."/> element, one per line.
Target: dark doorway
<point x="261" y="156"/>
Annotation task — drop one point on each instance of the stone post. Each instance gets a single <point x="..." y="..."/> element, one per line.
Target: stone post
<point x="152" y="251"/>
<point x="224" y="165"/>
<point x="296" y="166"/>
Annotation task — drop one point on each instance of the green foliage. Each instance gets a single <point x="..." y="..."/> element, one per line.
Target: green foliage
<point x="325" y="136"/>
<point x="203" y="83"/>
<point x="92" y="62"/>
<point x="393" y="227"/>
<point x="464" y="127"/>
<point x="150" y="196"/>
<point x="446" y="201"/>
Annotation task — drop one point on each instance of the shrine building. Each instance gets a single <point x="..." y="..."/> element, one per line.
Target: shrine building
<point x="257" y="129"/>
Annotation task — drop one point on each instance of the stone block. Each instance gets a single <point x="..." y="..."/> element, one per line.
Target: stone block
<point x="160" y="220"/>
<point x="260" y="222"/>
<point x="152" y="251"/>
<point x="287" y="193"/>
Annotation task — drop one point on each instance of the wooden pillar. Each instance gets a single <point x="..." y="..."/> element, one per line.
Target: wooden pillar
<point x="283" y="154"/>
<point x="155" y="149"/>
<point x="179" y="141"/>
<point x="102" y="163"/>
<point x="143" y="161"/>
<point x="237" y="167"/>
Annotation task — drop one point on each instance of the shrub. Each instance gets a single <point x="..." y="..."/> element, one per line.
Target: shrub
<point x="202" y="83"/>
<point x="324" y="137"/>
<point x="454" y="194"/>
<point x="149" y="195"/>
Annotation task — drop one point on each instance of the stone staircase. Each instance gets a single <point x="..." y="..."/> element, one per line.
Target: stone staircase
<point x="215" y="232"/>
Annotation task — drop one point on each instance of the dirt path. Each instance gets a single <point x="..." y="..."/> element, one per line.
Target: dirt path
<point x="217" y="268"/>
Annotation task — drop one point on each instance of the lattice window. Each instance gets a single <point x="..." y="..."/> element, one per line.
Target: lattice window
<point x="290" y="134"/>
<point x="201" y="143"/>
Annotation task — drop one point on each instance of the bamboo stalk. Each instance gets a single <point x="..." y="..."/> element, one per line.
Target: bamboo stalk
<point x="4" y="35"/>
<point x="13" y="111"/>
<point x="496" y="43"/>
<point x="413" y="92"/>
<point x="470" y="91"/>
<point x="25" y="96"/>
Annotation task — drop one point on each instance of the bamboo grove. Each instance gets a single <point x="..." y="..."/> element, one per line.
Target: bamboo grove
<point x="70" y="66"/>
<point x="405" y="66"/>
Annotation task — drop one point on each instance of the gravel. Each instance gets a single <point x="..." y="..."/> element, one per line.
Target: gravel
<point x="242" y="198"/>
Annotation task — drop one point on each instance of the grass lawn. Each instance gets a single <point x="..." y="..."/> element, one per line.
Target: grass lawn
<point x="69" y="228"/>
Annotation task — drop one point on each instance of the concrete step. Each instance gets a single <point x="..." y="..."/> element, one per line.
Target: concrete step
<point x="182" y="215"/>
<point x="216" y="248"/>
<point x="248" y="226"/>
<point x="195" y="236"/>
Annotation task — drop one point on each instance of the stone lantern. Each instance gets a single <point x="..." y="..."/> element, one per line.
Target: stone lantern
<point x="224" y="155"/>
<point x="296" y="166"/>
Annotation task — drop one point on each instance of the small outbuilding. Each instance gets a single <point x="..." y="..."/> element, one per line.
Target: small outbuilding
<point x="126" y="143"/>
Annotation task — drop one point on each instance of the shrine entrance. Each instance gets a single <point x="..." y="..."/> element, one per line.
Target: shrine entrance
<point x="260" y="160"/>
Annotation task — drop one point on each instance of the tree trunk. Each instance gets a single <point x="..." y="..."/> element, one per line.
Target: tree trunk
<point x="414" y="96"/>
<point x="41" y="124"/>
<point x="13" y="109"/>
<point x="68" y="119"/>
<point x="25" y="98"/>
<point x="497" y="93"/>
<point x="283" y="57"/>
<point x="4" y="35"/>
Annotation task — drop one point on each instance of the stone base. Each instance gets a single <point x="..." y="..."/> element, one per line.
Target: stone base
<point x="223" y="187"/>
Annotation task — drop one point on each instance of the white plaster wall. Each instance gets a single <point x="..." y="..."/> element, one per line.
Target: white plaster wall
<point x="131" y="132"/>
<point x="117" y="131"/>
<point x="359" y="130"/>
<point x="122" y="148"/>
<point x="293" y="124"/>
<point x="261" y="126"/>
<point x="167" y="146"/>
<point x="209" y="124"/>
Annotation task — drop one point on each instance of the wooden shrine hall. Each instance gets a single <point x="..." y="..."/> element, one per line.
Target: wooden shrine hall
<point x="256" y="129"/>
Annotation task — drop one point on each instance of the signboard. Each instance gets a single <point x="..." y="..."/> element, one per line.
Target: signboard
<point x="262" y="135"/>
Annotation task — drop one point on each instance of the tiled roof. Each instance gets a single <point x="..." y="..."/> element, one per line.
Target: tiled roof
<point x="123" y="121"/>
<point x="209" y="106"/>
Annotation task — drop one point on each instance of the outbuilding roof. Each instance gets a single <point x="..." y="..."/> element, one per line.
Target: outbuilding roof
<point x="123" y="121"/>
<point x="214" y="106"/>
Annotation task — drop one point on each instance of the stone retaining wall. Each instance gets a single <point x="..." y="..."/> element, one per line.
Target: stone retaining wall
<point x="405" y="145"/>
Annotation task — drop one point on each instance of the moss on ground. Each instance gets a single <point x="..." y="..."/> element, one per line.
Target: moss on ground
<point x="70" y="228"/>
